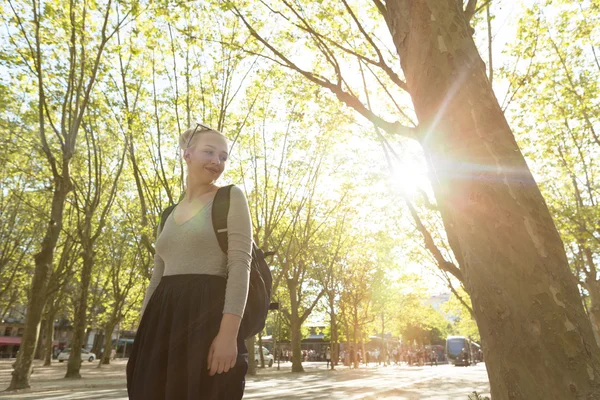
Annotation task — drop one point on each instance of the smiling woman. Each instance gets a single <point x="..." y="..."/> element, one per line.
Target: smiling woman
<point x="197" y="294"/>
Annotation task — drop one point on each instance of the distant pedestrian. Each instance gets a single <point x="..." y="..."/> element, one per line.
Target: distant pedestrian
<point x="434" y="358"/>
<point x="328" y="357"/>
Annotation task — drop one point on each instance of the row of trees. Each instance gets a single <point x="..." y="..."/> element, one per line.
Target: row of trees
<point x="89" y="163"/>
<point x="95" y="96"/>
<point x="555" y="71"/>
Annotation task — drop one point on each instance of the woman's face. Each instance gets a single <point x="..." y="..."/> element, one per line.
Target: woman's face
<point x="207" y="159"/>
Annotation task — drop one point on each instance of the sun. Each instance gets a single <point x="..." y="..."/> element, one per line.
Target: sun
<point x="408" y="173"/>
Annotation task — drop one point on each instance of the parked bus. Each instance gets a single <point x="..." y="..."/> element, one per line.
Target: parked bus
<point x="459" y="351"/>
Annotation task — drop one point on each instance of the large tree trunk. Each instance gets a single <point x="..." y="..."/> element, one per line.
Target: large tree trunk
<point x="537" y="340"/>
<point x="39" y="285"/>
<point x="80" y="323"/>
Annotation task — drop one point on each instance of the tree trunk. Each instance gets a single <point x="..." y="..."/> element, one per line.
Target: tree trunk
<point x="537" y="340"/>
<point x="260" y="352"/>
<point x="382" y="338"/>
<point x="80" y="323"/>
<point x="39" y="285"/>
<point x="362" y="349"/>
<point x="354" y="360"/>
<point x="347" y="323"/>
<point x="39" y="347"/>
<point x="295" y="327"/>
<point x="334" y="336"/>
<point x="296" y="333"/>
<point x="49" y="339"/>
<point x="86" y="336"/>
<point x="98" y="342"/>
<point x="108" y="330"/>
<point x="251" y="360"/>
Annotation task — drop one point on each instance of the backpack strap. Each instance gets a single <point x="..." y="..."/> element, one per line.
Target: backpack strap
<point x="165" y="215"/>
<point x="220" y="210"/>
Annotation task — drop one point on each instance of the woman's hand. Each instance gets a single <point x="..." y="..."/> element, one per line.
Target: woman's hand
<point x="222" y="353"/>
<point x="223" y="350"/>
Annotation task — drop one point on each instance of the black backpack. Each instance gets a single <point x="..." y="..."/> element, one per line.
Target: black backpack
<point x="261" y="280"/>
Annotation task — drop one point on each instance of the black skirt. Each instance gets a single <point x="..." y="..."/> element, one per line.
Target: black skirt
<point x="169" y="357"/>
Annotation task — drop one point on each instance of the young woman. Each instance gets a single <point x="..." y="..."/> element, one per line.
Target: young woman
<point x="187" y="344"/>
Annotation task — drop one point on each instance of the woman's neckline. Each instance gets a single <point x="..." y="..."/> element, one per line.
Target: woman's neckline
<point x="209" y="201"/>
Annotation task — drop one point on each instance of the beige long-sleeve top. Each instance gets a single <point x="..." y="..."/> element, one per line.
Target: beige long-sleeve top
<point x="192" y="248"/>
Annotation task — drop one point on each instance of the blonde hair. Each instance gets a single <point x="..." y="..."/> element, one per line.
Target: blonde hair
<point x="184" y="138"/>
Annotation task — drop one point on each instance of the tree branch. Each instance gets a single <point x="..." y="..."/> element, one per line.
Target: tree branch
<point x="470" y="10"/>
<point x="430" y="245"/>
<point x="462" y="301"/>
<point x="395" y="128"/>
<point x="381" y="7"/>
<point x="381" y="63"/>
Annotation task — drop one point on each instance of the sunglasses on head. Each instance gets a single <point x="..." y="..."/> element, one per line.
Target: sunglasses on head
<point x="204" y="128"/>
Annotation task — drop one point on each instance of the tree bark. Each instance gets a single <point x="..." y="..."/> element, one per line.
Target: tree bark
<point x="383" y="350"/>
<point x="98" y="342"/>
<point x="334" y="334"/>
<point x="49" y="339"/>
<point x="295" y="327"/>
<point x="108" y="331"/>
<point x="354" y="360"/>
<point x="524" y="296"/>
<point x="593" y="288"/>
<point x="260" y="352"/>
<point x="251" y="360"/>
<point x="39" y="346"/>
<point x="86" y="337"/>
<point x="362" y="348"/>
<point x="80" y="323"/>
<point x="296" y="336"/>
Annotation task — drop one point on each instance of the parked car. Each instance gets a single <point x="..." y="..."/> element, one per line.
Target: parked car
<point x="85" y="355"/>
<point x="266" y="354"/>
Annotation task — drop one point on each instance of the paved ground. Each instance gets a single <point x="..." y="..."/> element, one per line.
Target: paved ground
<point x="397" y="382"/>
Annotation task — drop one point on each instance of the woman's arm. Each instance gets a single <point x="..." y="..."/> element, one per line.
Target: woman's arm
<point x="239" y="253"/>
<point x="157" y="273"/>
<point x="223" y="352"/>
